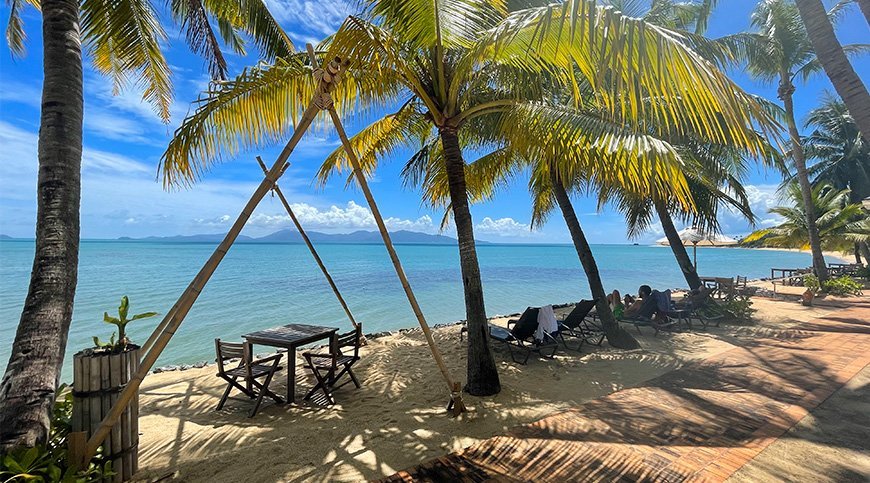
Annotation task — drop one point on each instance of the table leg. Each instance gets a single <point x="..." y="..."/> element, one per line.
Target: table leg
<point x="291" y="375"/>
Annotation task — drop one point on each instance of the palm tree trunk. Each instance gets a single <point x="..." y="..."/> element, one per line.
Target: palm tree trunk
<point x="785" y="93"/>
<point x="857" y="252"/>
<point x="836" y="64"/>
<point x="482" y="374"/>
<point x="689" y="271"/>
<point x="31" y="378"/>
<point x="616" y="336"/>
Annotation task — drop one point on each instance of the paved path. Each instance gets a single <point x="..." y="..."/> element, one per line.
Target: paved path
<point x="698" y="423"/>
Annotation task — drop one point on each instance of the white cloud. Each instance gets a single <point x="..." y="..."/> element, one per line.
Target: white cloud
<point x="334" y="219"/>
<point x="320" y="17"/>
<point x="505" y="227"/>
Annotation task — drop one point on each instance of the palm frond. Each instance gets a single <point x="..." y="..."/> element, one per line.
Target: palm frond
<point x="124" y="41"/>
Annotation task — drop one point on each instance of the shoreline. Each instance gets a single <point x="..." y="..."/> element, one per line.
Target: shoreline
<point x="843" y="257"/>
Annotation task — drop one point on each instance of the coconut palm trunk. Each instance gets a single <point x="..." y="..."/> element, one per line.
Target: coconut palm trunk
<point x="785" y="93"/>
<point x="616" y="336"/>
<point x="836" y="64"/>
<point x="28" y="386"/>
<point x="689" y="270"/>
<point x="482" y="374"/>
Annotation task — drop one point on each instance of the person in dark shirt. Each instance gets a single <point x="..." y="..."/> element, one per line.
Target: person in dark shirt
<point x="644" y="306"/>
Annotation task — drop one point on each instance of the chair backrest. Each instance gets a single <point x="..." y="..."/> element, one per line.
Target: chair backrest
<point x="233" y="350"/>
<point x="349" y="339"/>
<point x="581" y="310"/>
<point x="663" y="300"/>
<point x="527" y="325"/>
<point x="741" y="281"/>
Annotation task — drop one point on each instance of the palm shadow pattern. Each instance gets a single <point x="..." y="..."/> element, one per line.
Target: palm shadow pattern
<point x="699" y="422"/>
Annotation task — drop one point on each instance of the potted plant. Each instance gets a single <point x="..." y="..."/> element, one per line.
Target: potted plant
<point x="811" y="282"/>
<point x="100" y="373"/>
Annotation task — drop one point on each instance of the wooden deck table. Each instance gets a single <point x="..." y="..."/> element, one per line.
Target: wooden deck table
<point x="291" y="337"/>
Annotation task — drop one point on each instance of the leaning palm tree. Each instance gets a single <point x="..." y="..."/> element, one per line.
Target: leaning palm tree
<point x="780" y="50"/>
<point x="713" y="175"/>
<point x="124" y="40"/>
<point x="448" y="65"/>
<point x="832" y="57"/>
<point x="841" y="224"/>
<point x="841" y="155"/>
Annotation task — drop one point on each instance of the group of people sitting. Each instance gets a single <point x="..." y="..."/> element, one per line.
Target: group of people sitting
<point x="649" y="304"/>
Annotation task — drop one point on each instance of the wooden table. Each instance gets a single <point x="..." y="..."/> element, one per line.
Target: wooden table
<point x="290" y="337"/>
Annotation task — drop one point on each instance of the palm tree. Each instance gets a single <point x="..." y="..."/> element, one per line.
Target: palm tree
<point x="841" y="224"/>
<point x="123" y="39"/>
<point x="452" y="67"/>
<point x="713" y="175"/>
<point x="842" y="156"/>
<point x="832" y="57"/>
<point x="780" y="50"/>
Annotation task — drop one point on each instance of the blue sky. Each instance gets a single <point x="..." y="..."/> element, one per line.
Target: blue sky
<point x="123" y="141"/>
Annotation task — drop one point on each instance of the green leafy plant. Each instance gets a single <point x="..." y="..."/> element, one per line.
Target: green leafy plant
<point x="738" y="308"/>
<point x="120" y="322"/>
<point x="49" y="462"/>
<point x="811" y="282"/>
<point x="843" y="286"/>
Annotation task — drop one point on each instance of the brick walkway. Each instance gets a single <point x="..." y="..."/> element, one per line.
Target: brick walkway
<point x="698" y="423"/>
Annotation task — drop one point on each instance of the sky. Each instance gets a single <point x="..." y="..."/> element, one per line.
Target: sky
<point x="124" y="139"/>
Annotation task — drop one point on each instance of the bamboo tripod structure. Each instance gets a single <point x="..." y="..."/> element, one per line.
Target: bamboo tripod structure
<point x="277" y="191"/>
<point x="157" y="342"/>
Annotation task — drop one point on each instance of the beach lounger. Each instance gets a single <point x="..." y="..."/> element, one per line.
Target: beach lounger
<point x="330" y="368"/>
<point x="248" y="371"/>
<point x="575" y="325"/>
<point x="520" y="338"/>
<point x="660" y="320"/>
<point x="703" y="308"/>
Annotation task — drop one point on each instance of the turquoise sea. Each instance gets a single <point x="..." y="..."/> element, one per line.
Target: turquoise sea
<point x="264" y="285"/>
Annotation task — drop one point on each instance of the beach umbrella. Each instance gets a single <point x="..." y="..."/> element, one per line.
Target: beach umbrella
<point x="699" y="238"/>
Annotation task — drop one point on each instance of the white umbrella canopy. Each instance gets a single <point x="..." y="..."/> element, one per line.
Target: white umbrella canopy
<point x="698" y="238"/>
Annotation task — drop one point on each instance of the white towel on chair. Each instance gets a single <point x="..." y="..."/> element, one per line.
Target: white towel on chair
<point x="546" y="322"/>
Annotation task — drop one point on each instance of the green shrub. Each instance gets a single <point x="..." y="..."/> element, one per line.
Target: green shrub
<point x="811" y="282"/>
<point x="738" y="308"/>
<point x="843" y="286"/>
<point x="49" y="463"/>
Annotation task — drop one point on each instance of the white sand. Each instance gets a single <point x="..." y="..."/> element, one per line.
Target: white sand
<point x="397" y="419"/>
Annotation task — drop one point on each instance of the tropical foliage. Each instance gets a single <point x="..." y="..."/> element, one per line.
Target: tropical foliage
<point x="841" y="224"/>
<point x="50" y="462"/>
<point x="120" y="322"/>
<point x="841" y="155"/>
<point x="125" y="39"/>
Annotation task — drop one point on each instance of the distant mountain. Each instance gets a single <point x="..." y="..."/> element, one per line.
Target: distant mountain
<point x="6" y="237"/>
<point x="215" y="238"/>
<point x="290" y="235"/>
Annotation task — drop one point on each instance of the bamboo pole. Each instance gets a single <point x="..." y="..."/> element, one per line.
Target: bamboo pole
<point x="397" y="264"/>
<point x="175" y="317"/>
<point x="277" y="190"/>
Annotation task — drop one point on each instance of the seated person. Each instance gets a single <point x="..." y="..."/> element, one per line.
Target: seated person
<point x="645" y="306"/>
<point x="614" y="300"/>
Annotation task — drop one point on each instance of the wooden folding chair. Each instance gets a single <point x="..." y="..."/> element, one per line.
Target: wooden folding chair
<point x="329" y="369"/>
<point x="248" y="370"/>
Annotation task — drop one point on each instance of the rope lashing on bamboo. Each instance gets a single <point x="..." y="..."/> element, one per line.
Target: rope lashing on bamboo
<point x="456" y="405"/>
<point x="277" y="190"/>
<point x="173" y="319"/>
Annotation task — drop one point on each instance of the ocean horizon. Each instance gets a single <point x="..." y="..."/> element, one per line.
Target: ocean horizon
<point x="261" y="285"/>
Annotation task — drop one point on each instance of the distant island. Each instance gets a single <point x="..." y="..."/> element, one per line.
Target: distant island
<point x="6" y="237"/>
<point x="290" y="235"/>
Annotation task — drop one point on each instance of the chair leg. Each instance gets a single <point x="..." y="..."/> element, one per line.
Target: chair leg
<point x="224" y="397"/>
<point x="353" y="377"/>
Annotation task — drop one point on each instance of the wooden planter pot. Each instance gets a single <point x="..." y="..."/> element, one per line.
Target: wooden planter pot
<point x="98" y="380"/>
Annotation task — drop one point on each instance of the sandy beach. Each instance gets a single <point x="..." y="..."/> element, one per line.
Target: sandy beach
<point x="397" y="419"/>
